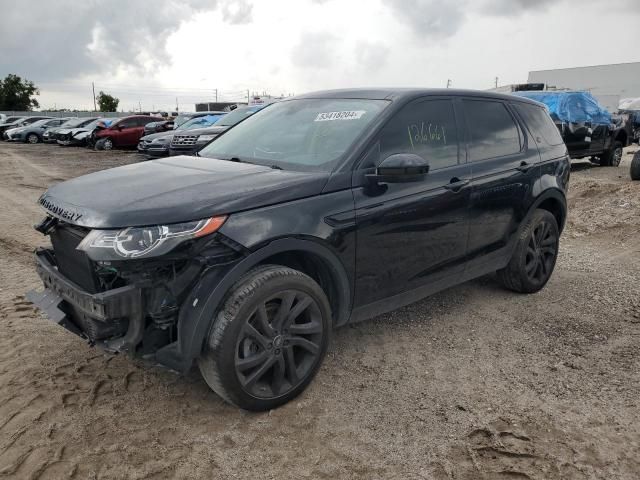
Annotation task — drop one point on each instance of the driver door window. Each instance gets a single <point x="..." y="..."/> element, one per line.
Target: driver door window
<point x="427" y="129"/>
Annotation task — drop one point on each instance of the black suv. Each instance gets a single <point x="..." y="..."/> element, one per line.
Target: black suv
<point x="317" y="211"/>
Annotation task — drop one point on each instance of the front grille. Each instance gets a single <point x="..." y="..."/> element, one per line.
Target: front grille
<point x="184" y="140"/>
<point x="73" y="264"/>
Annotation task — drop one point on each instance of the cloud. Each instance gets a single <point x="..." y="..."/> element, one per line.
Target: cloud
<point x="65" y="39"/>
<point x="429" y="18"/>
<point x="315" y="50"/>
<point x="439" y="20"/>
<point x="514" y="7"/>
<point x="237" y="13"/>
<point x="371" y="56"/>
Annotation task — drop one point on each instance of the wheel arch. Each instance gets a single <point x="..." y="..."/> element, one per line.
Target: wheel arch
<point x="311" y="257"/>
<point x="622" y="137"/>
<point x="554" y="201"/>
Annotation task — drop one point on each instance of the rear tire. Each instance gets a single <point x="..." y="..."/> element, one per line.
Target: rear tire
<point x="635" y="167"/>
<point x="613" y="156"/>
<point x="268" y="340"/>
<point x="535" y="255"/>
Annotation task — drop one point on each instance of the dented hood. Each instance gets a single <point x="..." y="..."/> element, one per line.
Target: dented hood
<point x="173" y="190"/>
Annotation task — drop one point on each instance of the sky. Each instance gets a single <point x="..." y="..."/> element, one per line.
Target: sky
<point x="154" y="54"/>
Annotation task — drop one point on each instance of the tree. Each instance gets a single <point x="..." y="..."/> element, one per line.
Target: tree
<point x="17" y="94"/>
<point x="107" y="103"/>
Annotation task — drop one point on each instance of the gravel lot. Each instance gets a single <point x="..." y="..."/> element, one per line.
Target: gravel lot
<point x="473" y="383"/>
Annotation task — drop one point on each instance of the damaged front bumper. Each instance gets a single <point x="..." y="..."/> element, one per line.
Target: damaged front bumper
<point x="94" y="317"/>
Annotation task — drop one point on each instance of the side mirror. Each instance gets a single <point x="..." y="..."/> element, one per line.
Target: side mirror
<point x="401" y="168"/>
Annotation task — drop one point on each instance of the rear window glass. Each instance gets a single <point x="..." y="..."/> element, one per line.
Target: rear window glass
<point x="493" y="131"/>
<point x="540" y="123"/>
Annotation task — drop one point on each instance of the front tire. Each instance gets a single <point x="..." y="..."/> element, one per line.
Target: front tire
<point x="535" y="255"/>
<point x="32" y="138"/>
<point x="268" y="339"/>
<point x="106" y="144"/>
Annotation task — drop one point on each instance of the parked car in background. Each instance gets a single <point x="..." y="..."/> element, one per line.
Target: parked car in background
<point x="157" y="144"/>
<point x="20" y="122"/>
<point x="588" y="129"/>
<point x="80" y="135"/>
<point x="10" y="119"/>
<point x="49" y="135"/>
<point x="188" y="143"/>
<point x="125" y="132"/>
<point x="158" y="127"/>
<point x="318" y="211"/>
<point x="33" y="133"/>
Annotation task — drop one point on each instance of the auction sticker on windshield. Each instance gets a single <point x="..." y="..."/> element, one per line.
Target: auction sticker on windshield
<point x="349" y="115"/>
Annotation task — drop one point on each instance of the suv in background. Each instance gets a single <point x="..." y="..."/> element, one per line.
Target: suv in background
<point x="587" y="128"/>
<point x="188" y="143"/>
<point x="323" y="209"/>
<point x="156" y="145"/>
<point x="126" y="132"/>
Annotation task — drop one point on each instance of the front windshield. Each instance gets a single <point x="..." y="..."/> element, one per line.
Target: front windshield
<point x="103" y="121"/>
<point x="77" y="122"/>
<point x="200" y="122"/>
<point x="305" y="134"/>
<point x="237" y="115"/>
<point x="40" y="123"/>
<point x="180" y="119"/>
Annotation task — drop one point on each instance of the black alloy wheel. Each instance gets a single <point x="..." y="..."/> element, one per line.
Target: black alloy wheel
<point x="541" y="252"/>
<point x="279" y="344"/>
<point x="534" y="256"/>
<point x="268" y="339"/>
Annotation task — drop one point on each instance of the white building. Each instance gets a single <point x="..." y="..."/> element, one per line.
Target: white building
<point x="608" y="83"/>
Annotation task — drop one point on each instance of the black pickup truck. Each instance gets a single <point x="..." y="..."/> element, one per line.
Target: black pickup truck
<point x="588" y="130"/>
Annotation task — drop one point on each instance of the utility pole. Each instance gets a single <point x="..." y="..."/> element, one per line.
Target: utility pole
<point x="449" y="83"/>
<point x="139" y="106"/>
<point x="177" y="106"/>
<point x="93" y="87"/>
<point x="216" y="91"/>
<point x="496" y="82"/>
<point x="248" y="97"/>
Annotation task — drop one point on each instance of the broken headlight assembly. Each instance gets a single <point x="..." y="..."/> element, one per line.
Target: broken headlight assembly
<point x="145" y="242"/>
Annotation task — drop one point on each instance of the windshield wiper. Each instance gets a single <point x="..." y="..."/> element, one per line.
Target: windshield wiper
<point x="276" y="167"/>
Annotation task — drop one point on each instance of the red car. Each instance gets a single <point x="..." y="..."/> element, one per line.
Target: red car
<point x="126" y="132"/>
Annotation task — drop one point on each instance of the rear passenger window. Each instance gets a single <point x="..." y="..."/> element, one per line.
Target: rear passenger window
<point x="492" y="130"/>
<point x="426" y="128"/>
<point x="540" y="123"/>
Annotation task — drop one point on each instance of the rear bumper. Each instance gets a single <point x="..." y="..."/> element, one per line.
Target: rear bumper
<point x="68" y="305"/>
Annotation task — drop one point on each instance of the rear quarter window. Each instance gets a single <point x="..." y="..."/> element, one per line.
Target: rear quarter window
<point x="539" y="123"/>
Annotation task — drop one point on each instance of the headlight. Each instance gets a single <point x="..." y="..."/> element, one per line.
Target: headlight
<point x="206" y="138"/>
<point x="159" y="140"/>
<point x="144" y="242"/>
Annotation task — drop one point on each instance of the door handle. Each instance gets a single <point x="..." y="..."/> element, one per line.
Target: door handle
<point x="455" y="185"/>
<point x="524" y="167"/>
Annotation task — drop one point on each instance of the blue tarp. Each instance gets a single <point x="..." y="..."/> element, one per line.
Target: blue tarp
<point x="571" y="107"/>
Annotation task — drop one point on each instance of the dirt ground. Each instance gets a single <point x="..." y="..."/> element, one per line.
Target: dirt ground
<point x="473" y="383"/>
